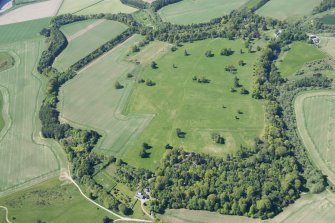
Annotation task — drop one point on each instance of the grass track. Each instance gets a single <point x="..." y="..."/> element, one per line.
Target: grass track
<point x="87" y="41"/>
<point x="196" y="108"/>
<point x="91" y="101"/>
<point x="197" y="11"/>
<point x="23" y="154"/>
<point x="299" y="54"/>
<point x="284" y="9"/>
<point x="316" y="124"/>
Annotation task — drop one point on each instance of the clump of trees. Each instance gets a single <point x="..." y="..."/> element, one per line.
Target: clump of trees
<point x="226" y="52"/>
<point x="209" y="53"/>
<point x="117" y="85"/>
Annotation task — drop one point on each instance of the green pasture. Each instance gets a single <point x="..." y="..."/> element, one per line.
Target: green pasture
<point x="197" y="11"/>
<point x="52" y="201"/>
<point x="87" y="41"/>
<point x="76" y="27"/>
<point x="197" y="109"/>
<point x="24" y="156"/>
<point x="284" y="9"/>
<point x="94" y="7"/>
<point x="299" y="54"/>
<point x="91" y="101"/>
<point x="6" y="61"/>
<point x="22" y="31"/>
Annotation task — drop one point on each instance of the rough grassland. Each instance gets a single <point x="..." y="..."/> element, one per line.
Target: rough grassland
<point x="316" y="123"/>
<point x="91" y="101"/>
<point x="284" y="9"/>
<point x="328" y="45"/>
<point x="51" y="202"/>
<point x="308" y="209"/>
<point x="6" y="61"/>
<point x="151" y="52"/>
<point x="94" y="7"/>
<point x="196" y="109"/>
<point x="22" y="31"/>
<point x="88" y="42"/>
<point x="299" y="54"/>
<point x="197" y="11"/>
<point x="23" y="157"/>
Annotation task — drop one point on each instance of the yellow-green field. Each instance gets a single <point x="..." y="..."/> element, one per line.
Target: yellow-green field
<point x="86" y="40"/>
<point x="285" y="9"/>
<point x="316" y="124"/>
<point x="91" y="100"/>
<point x="24" y="156"/>
<point x="94" y="7"/>
<point x="197" y="11"/>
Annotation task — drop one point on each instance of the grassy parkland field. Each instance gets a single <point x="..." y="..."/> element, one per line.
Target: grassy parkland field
<point x="197" y="11"/>
<point x="299" y="54"/>
<point x="90" y="100"/>
<point x="198" y="109"/>
<point x="85" y="37"/>
<point x="285" y="9"/>
<point x="94" y="7"/>
<point x="316" y="124"/>
<point x="51" y="201"/>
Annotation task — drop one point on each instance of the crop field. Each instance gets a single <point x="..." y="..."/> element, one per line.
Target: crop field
<point x="90" y="37"/>
<point x="51" y="202"/>
<point x="90" y="100"/>
<point x="23" y="155"/>
<point x="328" y="45"/>
<point x="316" y="123"/>
<point x="94" y="7"/>
<point x="197" y="11"/>
<point x="199" y="110"/>
<point x="22" y="31"/>
<point x="284" y="9"/>
<point x="299" y="54"/>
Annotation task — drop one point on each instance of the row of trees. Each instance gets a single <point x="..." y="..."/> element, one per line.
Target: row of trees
<point x="325" y="5"/>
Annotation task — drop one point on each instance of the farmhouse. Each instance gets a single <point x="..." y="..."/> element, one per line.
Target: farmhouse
<point x="316" y="40"/>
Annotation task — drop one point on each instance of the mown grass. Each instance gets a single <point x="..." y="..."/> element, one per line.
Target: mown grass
<point x="197" y="109"/>
<point x="87" y="42"/>
<point x="51" y="202"/>
<point x="299" y="54"/>
<point x="22" y="31"/>
<point x="94" y="7"/>
<point x="75" y="27"/>
<point x="197" y="11"/>
<point x="23" y="155"/>
<point x="91" y="101"/>
<point x="284" y="9"/>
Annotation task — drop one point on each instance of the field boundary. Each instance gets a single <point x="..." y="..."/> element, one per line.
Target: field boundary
<point x="305" y="136"/>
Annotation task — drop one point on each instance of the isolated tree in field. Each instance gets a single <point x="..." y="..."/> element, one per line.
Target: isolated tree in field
<point x="209" y="53"/>
<point x="150" y="83"/>
<point x="180" y="134"/>
<point x="241" y="51"/>
<point x="237" y="82"/>
<point x="173" y="48"/>
<point x="226" y="52"/>
<point x="129" y="75"/>
<point x="144" y="153"/>
<point x="231" y="69"/>
<point x="186" y="53"/>
<point x="107" y="220"/>
<point x="154" y="65"/>
<point x="244" y="91"/>
<point x="117" y="85"/>
<point x="241" y="63"/>
<point x="135" y="49"/>
<point x="146" y="146"/>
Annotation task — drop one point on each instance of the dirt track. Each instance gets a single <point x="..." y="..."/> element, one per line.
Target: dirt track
<point x="30" y="12"/>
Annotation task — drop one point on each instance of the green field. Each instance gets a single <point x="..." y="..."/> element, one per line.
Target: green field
<point x="6" y="61"/>
<point x="328" y="19"/>
<point x="316" y="123"/>
<point x="91" y="100"/>
<point x="94" y="7"/>
<point x="76" y="27"/>
<point x="197" y="109"/>
<point x="90" y="37"/>
<point x="51" y="202"/>
<point x="299" y="54"/>
<point x="24" y="156"/>
<point x="22" y="31"/>
<point x="284" y="9"/>
<point x="2" y="121"/>
<point x="197" y="11"/>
